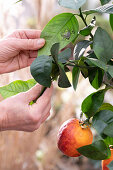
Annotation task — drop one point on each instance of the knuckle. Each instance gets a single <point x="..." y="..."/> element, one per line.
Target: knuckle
<point x="35" y="128"/>
<point x="31" y="43"/>
<point x="35" y="118"/>
<point x="31" y="130"/>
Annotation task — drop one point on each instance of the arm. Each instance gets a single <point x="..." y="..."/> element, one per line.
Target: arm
<point x="17" y="114"/>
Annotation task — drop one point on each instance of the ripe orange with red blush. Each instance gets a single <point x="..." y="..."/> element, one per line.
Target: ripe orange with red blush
<point x="72" y="135"/>
<point x="107" y="161"/>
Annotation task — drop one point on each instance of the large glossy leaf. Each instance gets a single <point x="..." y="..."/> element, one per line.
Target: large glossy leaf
<point x="91" y="104"/>
<point x="103" y="2"/>
<point x="111" y="21"/>
<point x="73" y="4"/>
<point x="16" y="87"/>
<point x="80" y="48"/>
<point x="103" y="45"/>
<point x="41" y="70"/>
<point x="75" y="76"/>
<point x="63" y="79"/>
<point x="108" y="8"/>
<point x="97" y="150"/>
<point x="63" y="29"/>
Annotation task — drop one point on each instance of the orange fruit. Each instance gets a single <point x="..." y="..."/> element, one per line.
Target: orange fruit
<point x="107" y="161"/>
<point x="72" y="135"/>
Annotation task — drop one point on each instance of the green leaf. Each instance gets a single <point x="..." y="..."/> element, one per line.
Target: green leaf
<point x="63" y="79"/>
<point x="108" y="140"/>
<point x="55" y="51"/>
<point x="97" y="150"/>
<point x="80" y="48"/>
<point x="110" y="166"/>
<point x="75" y="76"/>
<point x="102" y="119"/>
<point x="83" y="67"/>
<point x="63" y="29"/>
<point x="96" y="77"/>
<point x="103" y="2"/>
<point x="41" y="70"/>
<point x="108" y="8"/>
<point x="55" y="71"/>
<point x="106" y="106"/>
<point x="108" y="130"/>
<point x="73" y="4"/>
<point x="92" y="103"/>
<point x="16" y="87"/>
<point x="64" y="56"/>
<point x="111" y="21"/>
<point x="103" y="45"/>
<point x="87" y="30"/>
<point x="91" y="54"/>
<point x="100" y="64"/>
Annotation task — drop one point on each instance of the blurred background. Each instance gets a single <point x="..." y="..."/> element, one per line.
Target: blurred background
<point x="38" y="150"/>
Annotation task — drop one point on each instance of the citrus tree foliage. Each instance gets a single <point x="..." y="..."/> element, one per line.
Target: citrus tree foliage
<point x="96" y="65"/>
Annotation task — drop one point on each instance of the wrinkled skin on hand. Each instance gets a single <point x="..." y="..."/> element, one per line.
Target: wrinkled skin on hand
<point x="19" y="49"/>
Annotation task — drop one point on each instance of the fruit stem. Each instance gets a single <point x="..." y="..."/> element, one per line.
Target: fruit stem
<point x="86" y="123"/>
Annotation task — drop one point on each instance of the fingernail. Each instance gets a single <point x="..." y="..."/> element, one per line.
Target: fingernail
<point x="41" y="41"/>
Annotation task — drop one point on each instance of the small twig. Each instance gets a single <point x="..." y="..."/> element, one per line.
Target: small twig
<point x="83" y="19"/>
<point x="108" y="85"/>
<point x="87" y="67"/>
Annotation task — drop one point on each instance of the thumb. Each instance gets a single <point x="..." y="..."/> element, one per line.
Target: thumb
<point x="33" y="93"/>
<point x="30" y="44"/>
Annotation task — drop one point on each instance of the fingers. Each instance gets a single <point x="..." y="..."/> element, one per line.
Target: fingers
<point x="43" y="102"/>
<point x="26" y="34"/>
<point x="30" y="60"/>
<point x="31" y="33"/>
<point x="29" y="44"/>
<point x="45" y="98"/>
<point x="33" y="55"/>
<point x="33" y="93"/>
<point x="46" y="113"/>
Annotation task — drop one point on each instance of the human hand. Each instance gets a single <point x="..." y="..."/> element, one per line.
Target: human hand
<point x="19" y="49"/>
<point x="17" y="114"/>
